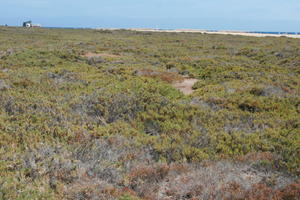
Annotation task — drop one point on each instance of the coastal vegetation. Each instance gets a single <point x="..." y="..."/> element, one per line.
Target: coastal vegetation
<point x="93" y="114"/>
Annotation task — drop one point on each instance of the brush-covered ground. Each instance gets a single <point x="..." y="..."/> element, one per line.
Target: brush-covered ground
<point x="92" y="114"/>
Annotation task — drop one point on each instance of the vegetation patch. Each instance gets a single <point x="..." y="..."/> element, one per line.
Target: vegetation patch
<point x="97" y="116"/>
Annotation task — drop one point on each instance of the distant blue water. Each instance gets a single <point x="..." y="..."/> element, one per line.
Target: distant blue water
<point x="262" y="32"/>
<point x="275" y="33"/>
<point x="66" y="27"/>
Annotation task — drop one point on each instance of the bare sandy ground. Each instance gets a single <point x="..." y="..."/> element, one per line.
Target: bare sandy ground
<point x="185" y="86"/>
<point x="182" y="83"/>
<point x="212" y="32"/>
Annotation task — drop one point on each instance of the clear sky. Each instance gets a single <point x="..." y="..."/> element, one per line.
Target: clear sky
<point x="259" y="15"/>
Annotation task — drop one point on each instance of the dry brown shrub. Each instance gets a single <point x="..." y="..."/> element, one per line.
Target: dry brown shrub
<point x="259" y="191"/>
<point x="256" y="156"/>
<point x="290" y="192"/>
<point x="149" y="173"/>
<point x="144" y="180"/>
<point x="235" y="191"/>
<point x="25" y="83"/>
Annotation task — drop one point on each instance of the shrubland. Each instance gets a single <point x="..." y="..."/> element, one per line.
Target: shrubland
<point x="112" y="126"/>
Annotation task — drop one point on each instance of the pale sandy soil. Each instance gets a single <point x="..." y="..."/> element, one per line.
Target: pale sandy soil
<point x="185" y="86"/>
<point x="213" y="32"/>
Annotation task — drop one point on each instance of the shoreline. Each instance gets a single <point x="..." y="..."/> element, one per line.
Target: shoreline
<point x="295" y="35"/>
<point x="239" y="33"/>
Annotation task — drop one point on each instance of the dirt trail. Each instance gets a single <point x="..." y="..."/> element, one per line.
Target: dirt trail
<point x="185" y="86"/>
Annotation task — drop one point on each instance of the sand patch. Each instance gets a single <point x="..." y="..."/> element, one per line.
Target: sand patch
<point x="185" y="86"/>
<point x="183" y="83"/>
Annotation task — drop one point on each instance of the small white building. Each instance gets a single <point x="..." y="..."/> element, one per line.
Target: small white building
<point x="36" y="25"/>
<point x="27" y="24"/>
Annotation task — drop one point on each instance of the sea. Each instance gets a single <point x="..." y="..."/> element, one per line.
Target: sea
<point x="261" y="32"/>
<point x="275" y="33"/>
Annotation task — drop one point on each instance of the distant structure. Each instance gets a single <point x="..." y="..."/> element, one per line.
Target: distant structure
<point x="29" y="24"/>
<point x="36" y="25"/>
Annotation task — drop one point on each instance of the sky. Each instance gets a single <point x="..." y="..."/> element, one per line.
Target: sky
<point x="248" y="15"/>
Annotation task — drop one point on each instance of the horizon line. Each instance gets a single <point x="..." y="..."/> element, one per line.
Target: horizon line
<point x="171" y="30"/>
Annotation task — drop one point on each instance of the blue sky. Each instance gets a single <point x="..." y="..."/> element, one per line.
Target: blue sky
<point x="260" y="15"/>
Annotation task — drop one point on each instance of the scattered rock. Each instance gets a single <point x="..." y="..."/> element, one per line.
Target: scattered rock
<point x="272" y="91"/>
<point x="95" y="60"/>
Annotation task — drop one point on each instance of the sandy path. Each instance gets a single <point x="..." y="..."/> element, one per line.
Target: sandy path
<point x="185" y="86"/>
